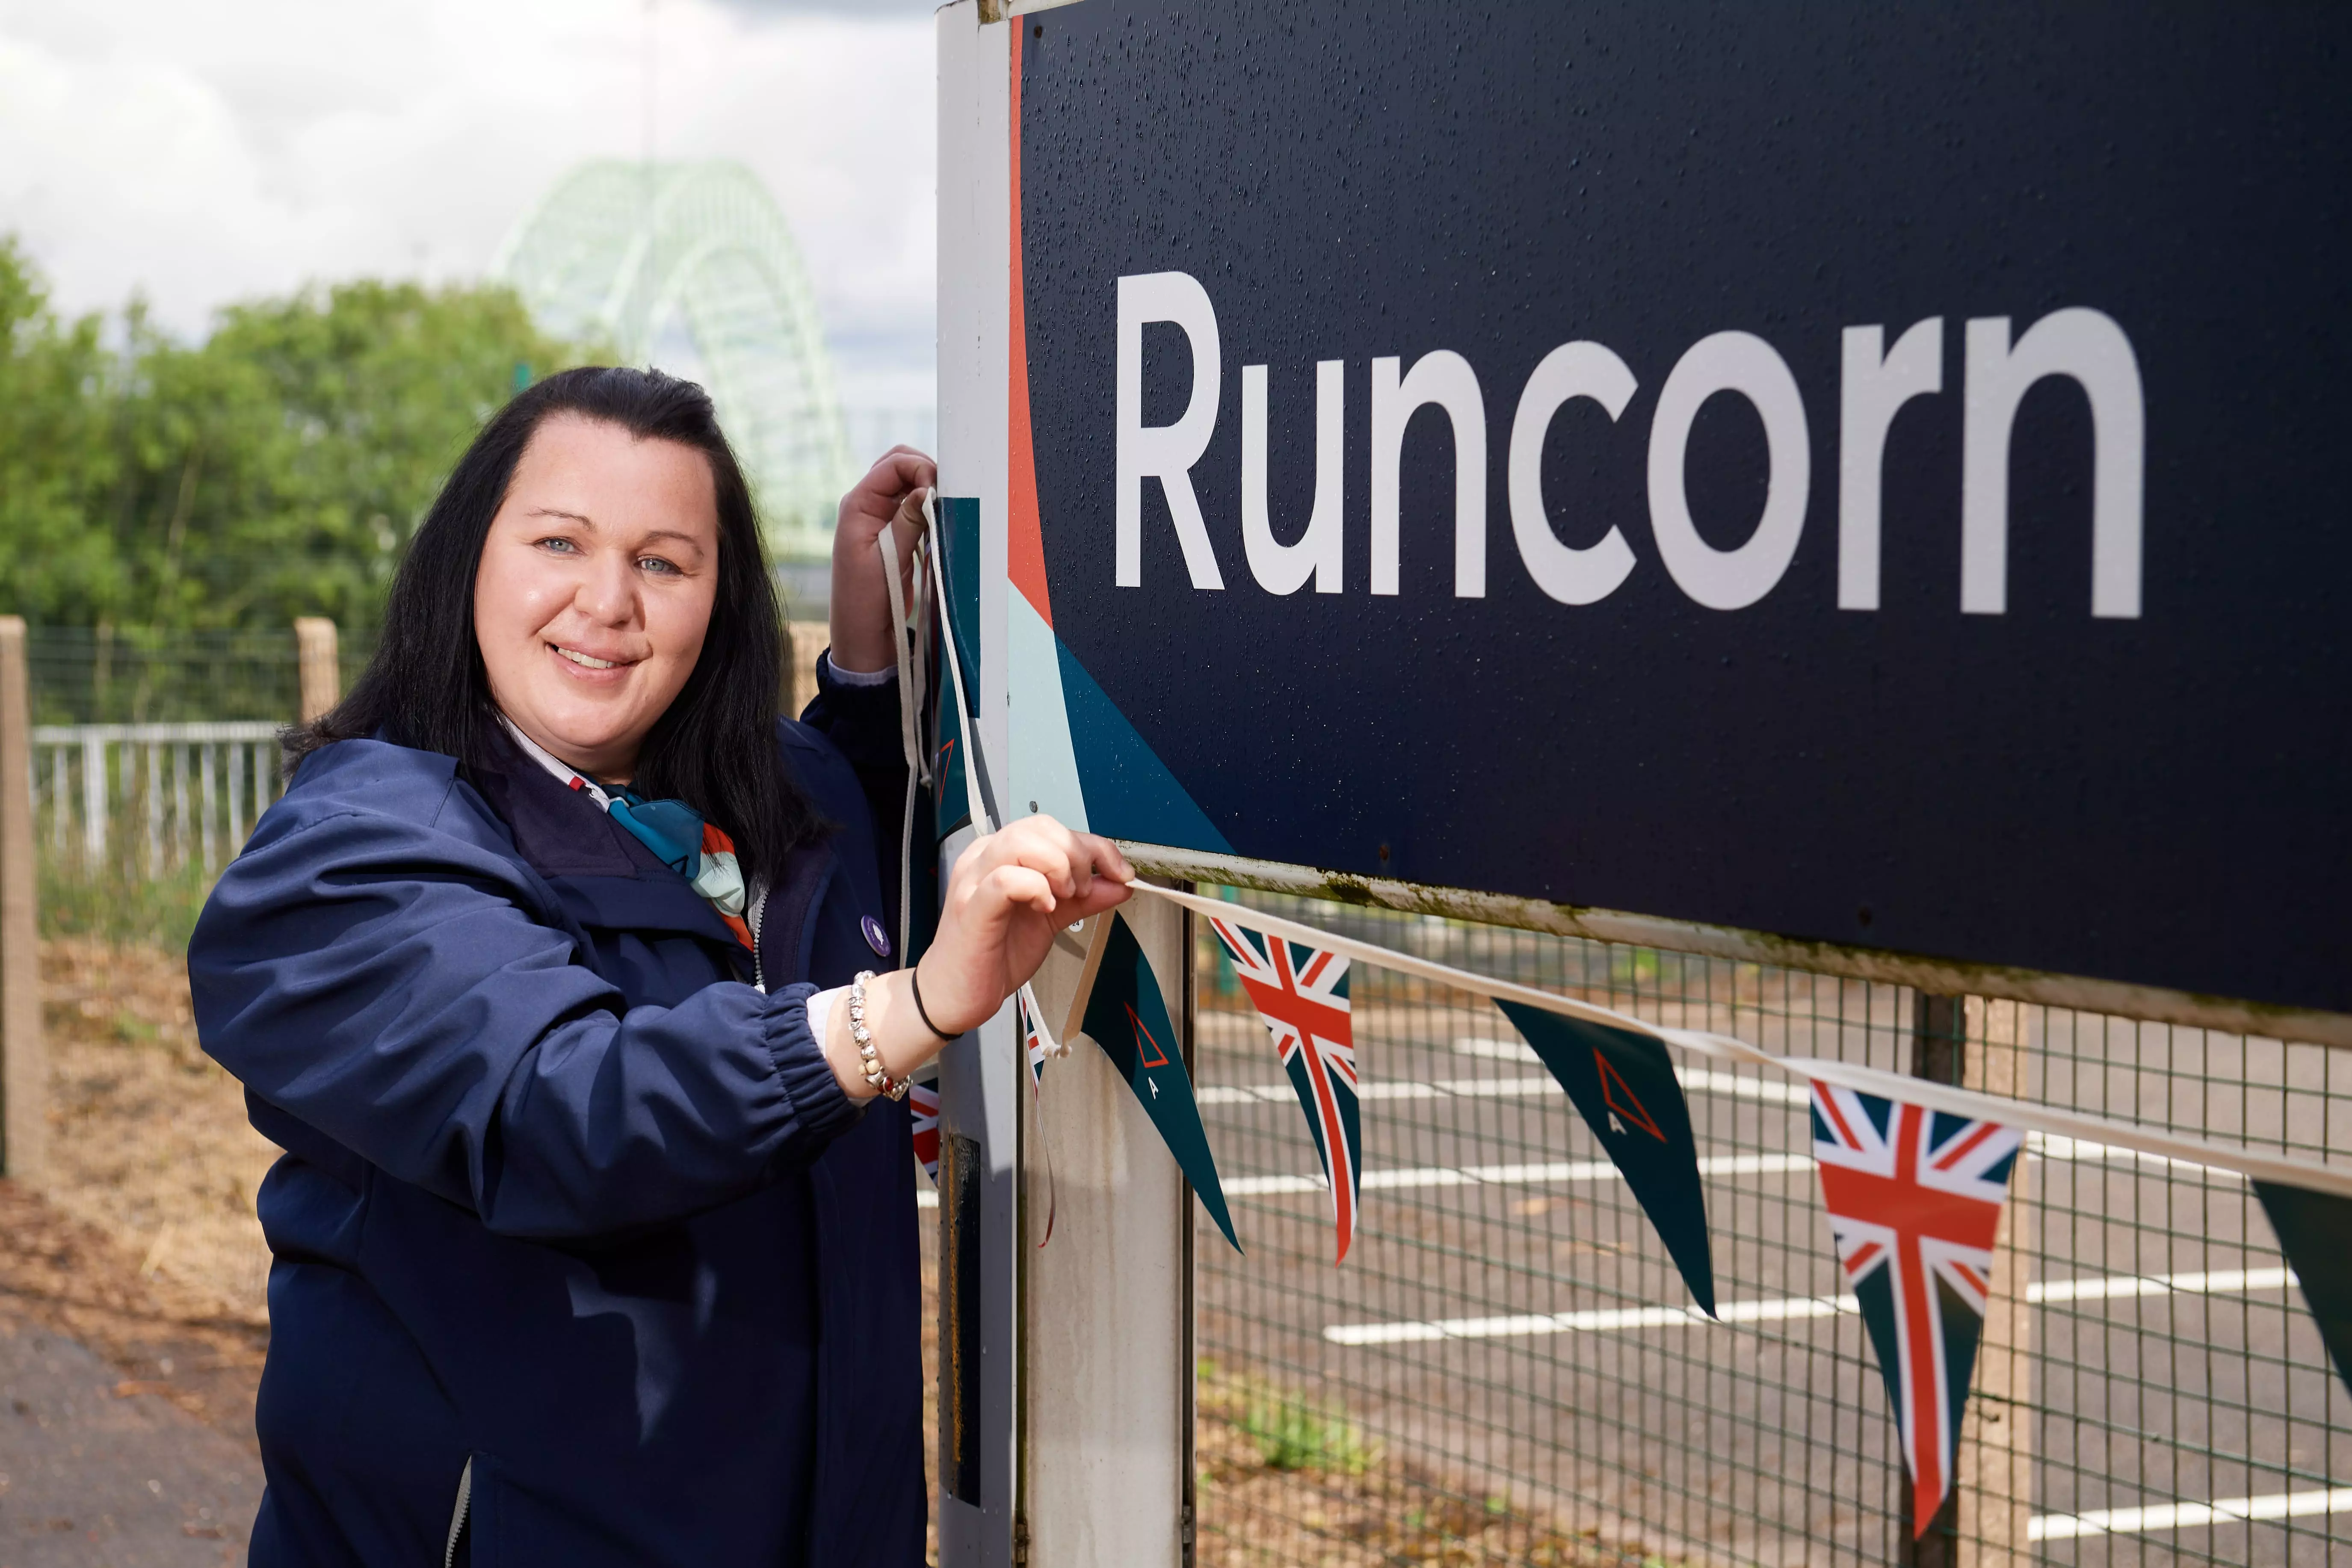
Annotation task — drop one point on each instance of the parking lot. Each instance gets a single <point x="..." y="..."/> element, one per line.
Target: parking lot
<point x="1507" y="1322"/>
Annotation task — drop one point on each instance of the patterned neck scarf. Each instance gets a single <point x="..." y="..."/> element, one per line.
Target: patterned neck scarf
<point x="672" y="829"/>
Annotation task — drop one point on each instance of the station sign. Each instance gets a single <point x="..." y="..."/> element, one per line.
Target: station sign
<point x="1871" y="476"/>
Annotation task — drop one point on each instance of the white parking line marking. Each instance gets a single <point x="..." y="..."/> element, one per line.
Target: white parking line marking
<point x="1695" y="1080"/>
<point x="2117" y="1287"/>
<point x="1572" y="1172"/>
<point x="1558" y="1171"/>
<point x="1698" y="1080"/>
<point x="2189" y="1515"/>
<point x="1784" y="1309"/>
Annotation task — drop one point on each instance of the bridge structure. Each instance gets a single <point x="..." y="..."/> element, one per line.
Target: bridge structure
<point x="630" y="255"/>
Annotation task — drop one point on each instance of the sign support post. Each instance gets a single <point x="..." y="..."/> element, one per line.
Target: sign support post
<point x="1107" y="1397"/>
<point x="1071" y="1365"/>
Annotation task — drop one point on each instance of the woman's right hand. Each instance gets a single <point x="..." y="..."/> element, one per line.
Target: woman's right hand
<point x="889" y="496"/>
<point x="1008" y="894"/>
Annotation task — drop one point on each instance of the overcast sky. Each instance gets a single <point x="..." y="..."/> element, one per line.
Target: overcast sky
<point x="206" y="151"/>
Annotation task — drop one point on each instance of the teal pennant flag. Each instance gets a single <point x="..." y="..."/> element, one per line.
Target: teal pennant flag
<point x="1624" y="1085"/>
<point x="2315" y="1231"/>
<point x="1126" y="1017"/>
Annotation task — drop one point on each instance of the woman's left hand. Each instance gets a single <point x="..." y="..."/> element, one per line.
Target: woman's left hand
<point x="889" y="496"/>
<point x="1009" y="892"/>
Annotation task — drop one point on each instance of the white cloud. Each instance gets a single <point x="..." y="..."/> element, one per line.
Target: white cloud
<point x="203" y="152"/>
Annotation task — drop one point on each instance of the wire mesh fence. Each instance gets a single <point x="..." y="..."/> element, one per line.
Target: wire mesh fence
<point x="130" y="675"/>
<point x="1505" y="1369"/>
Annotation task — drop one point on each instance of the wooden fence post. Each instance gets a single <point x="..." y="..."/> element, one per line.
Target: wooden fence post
<point x="1938" y="1053"/>
<point x="24" y="1063"/>
<point x="322" y="678"/>
<point x="1996" y="1454"/>
<point x="803" y="640"/>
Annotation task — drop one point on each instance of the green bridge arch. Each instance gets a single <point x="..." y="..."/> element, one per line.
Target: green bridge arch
<point x="625" y="252"/>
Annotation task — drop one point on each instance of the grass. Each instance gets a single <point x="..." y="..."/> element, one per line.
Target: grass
<point x="1293" y="1433"/>
<point x="1286" y="1479"/>
<point x="1288" y="1430"/>
<point x="118" y="902"/>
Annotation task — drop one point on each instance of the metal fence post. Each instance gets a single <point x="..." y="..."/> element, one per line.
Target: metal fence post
<point x="322" y="679"/>
<point x="1996" y="1456"/>
<point x="24" y="1064"/>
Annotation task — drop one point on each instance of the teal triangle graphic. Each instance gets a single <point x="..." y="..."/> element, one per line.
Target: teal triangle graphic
<point x="1130" y="794"/>
<point x="1128" y="1019"/>
<point x="957" y="542"/>
<point x="2315" y="1231"/>
<point x="957" y="539"/>
<point x="954" y="806"/>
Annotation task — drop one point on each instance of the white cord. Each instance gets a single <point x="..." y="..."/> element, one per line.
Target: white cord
<point x="910" y="699"/>
<point x="2046" y="1119"/>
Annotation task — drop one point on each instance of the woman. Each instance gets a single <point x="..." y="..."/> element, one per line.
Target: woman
<point x="591" y="1244"/>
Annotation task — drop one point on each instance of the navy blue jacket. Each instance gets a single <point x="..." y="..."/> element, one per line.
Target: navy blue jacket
<point x="565" y="1196"/>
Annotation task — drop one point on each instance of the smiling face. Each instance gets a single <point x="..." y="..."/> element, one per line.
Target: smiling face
<point x="595" y="587"/>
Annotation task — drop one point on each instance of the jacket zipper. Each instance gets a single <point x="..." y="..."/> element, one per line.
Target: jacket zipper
<point x="457" y="1517"/>
<point x="751" y="918"/>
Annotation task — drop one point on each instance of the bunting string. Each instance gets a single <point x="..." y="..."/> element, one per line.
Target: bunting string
<point x="2079" y="1126"/>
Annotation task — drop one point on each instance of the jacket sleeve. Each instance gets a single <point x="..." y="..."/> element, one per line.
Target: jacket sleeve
<point x="862" y="722"/>
<point x="410" y="995"/>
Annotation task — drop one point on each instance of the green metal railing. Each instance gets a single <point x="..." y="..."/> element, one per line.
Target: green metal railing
<point x="1480" y="1382"/>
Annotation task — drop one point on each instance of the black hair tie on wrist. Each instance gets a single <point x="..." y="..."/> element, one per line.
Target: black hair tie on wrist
<point x="915" y="979"/>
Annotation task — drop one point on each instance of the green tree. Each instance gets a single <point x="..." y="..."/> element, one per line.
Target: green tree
<point x="55" y="455"/>
<point x="276" y="469"/>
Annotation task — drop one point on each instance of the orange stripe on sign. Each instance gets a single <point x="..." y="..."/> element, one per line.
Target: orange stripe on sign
<point x="1025" y="540"/>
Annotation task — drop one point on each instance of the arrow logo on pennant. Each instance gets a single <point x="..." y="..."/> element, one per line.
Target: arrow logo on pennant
<point x="1621" y="1099"/>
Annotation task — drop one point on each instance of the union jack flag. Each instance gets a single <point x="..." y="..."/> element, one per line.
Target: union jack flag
<point x="1039" y="1045"/>
<point x="1915" y="1197"/>
<point x="1302" y="994"/>
<point x="1034" y="1037"/>
<point x="923" y="1104"/>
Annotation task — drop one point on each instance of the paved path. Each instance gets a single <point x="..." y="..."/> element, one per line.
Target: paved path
<point x="95" y="1472"/>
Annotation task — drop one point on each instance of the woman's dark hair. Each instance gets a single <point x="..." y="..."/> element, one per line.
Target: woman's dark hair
<point x="715" y="748"/>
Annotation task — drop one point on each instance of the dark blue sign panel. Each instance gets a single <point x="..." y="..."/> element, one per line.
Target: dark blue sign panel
<point x="1872" y="474"/>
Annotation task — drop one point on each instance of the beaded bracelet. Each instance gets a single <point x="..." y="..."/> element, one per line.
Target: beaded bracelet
<point x="876" y="1078"/>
